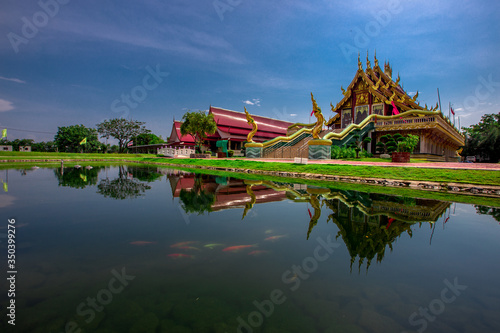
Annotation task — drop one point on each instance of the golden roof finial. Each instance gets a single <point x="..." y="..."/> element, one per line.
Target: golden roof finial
<point x="376" y="60"/>
<point x="360" y="65"/>
<point x="343" y="90"/>
<point x="388" y="69"/>
<point x="368" y="65"/>
<point x="415" y="97"/>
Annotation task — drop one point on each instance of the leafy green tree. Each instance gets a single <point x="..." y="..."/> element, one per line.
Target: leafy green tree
<point x="49" y="146"/>
<point x="147" y="139"/>
<point x="483" y="139"/>
<point x="358" y="144"/>
<point x="408" y="144"/>
<point x="18" y="142"/>
<point x="388" y="143"/>
<point x="198" y="124"/>
<point x="122" y="130"/>
<point x="68" y="139"/>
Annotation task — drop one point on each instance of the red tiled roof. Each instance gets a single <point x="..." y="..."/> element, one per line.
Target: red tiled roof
<point x="233" y="122"/>
<point x="176" y="130"/>
<point x="234" y="125"/>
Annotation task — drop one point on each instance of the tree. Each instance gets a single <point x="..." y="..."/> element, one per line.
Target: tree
<point x="483" y="139"/>
<point x="198" y="124"/>
<point x="18" y="142"/>
<point x="68" y="139"/>
<point x="44" y="146"/>
<point x="121" y="129"/>
<point x="358" y="144"/>
<point x="147" y="139"/>
<point x="389" y="143"/>
<point x="408" y="144"/>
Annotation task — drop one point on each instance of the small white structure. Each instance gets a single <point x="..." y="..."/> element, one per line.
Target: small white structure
<point x="25" y="148"/>
<point x="5" y="148"/>
<point x="176" y="152"/>
<point x="300" y="160"/>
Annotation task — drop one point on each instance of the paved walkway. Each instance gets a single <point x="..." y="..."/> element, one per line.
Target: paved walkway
<point x="432" y="165"/>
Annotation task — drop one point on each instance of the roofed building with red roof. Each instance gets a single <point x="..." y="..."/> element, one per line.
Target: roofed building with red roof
<point x="232" y="126"/>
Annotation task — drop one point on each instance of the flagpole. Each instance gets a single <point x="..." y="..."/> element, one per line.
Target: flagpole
<point x="449" y="110"/>
<point x="439" y="100"/>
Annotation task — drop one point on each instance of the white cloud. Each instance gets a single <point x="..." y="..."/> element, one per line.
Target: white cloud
<point x="12" y="79"/>
<point x="5" y="105"/>
<point x="254" y="101"/>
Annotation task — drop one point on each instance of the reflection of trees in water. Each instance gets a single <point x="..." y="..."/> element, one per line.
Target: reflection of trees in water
<point x="77" y="178"/>
<point x="126" y="185"/>
<point x="197" y="200"/>
<point x="485" y="210"/>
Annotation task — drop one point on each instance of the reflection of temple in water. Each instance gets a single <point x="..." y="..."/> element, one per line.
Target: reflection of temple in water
<point x="229" y="192"/>
<point x="368" y="223"/>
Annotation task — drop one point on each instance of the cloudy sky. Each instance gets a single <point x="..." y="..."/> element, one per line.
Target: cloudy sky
<point x="66" y="62"/>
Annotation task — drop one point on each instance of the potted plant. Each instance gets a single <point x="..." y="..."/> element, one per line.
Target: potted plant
<point x="404" y="148"/>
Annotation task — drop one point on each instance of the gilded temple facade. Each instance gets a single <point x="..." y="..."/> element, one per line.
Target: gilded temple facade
<point x="373" y="90"/>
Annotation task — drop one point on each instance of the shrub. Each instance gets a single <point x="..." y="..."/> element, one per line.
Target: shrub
<point x="230" y="153"/>
<point x="408" y="144"/>
<point x="342" y="152"/>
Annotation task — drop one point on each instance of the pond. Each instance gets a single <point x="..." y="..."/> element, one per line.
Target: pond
<point x="143" y="249"/>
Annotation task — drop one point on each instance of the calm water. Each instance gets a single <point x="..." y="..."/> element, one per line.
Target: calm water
<point x="136" y="249"/>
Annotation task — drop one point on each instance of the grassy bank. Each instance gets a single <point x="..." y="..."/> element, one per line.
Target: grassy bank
<point x="477" y="177"/>
<point x="16" y="155"/>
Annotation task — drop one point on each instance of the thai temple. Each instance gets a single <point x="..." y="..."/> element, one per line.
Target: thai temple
<point x="373" y="104"/>
<point x="232" y="126"/>
<point x="374" y="91"/>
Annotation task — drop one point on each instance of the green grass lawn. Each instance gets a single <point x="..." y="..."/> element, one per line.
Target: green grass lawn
<point x="15" y="155"/>
<point x="479" y="177"/>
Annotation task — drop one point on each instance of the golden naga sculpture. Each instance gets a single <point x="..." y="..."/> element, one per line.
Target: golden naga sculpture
<point x="319" y="119"/>
<point x="254" y="126"/>
<point x="315" y="203"/>
<point x="343" y="90"/>
<point x="253" y="199"/>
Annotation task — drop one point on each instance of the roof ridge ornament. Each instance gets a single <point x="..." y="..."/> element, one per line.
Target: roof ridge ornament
<point x="377" y="85"/>
<point x="368" y="65"/>
<point x="397" y="80"/>
<point x="360" y="65"/>
<point x="375" y="57"/>
<point x="414" y="98"/>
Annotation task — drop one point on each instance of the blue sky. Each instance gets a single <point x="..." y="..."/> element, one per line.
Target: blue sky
<point x="75" y="62"/>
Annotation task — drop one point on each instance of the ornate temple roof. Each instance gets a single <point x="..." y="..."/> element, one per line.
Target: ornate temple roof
<point x="380" y="84"/>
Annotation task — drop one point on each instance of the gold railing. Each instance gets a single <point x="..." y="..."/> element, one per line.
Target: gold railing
<point x="381" y="123"/>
